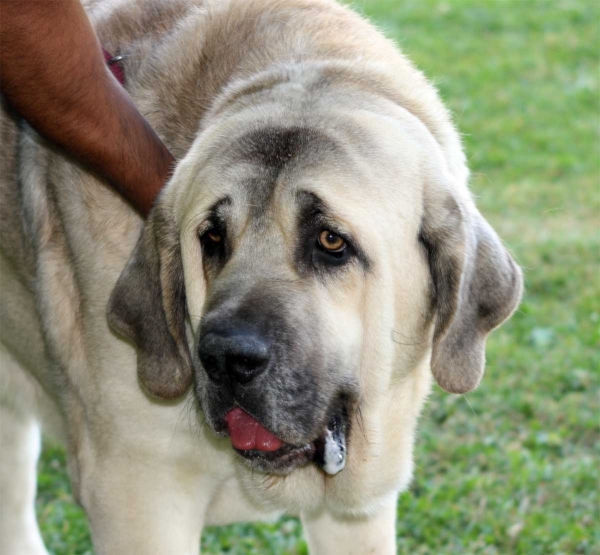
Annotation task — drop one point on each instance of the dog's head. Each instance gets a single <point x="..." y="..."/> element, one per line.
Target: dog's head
<point x="322" y="260"/>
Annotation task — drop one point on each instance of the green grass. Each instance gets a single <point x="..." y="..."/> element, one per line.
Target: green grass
<point x="513" y="469"/>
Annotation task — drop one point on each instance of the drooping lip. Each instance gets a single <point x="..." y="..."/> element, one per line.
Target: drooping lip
<point x="328" y="450"/>
<point x="261" y="448"/>
<point x="282" y="461"/>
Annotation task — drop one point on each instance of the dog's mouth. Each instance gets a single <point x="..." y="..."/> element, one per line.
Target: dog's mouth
<point x="266" y="452"/>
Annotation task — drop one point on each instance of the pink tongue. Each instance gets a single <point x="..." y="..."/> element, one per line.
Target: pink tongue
<point x="247" y="434"/>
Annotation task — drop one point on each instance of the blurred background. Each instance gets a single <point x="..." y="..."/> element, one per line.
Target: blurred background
<point x="513" y="467"/>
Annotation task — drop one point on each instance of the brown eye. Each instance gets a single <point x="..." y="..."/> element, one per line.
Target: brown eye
<point x="331" y="241"/>
<point x="214" y="236"/>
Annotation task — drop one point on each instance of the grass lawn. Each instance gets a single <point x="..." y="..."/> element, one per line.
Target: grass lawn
<point x="513" y="467"/>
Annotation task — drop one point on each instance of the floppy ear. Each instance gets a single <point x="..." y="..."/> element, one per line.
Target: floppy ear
<point x="476" y="286"/>
<point x="147" y="306"/>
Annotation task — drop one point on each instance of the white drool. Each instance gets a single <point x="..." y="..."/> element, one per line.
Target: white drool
<point x="334" y="456"/>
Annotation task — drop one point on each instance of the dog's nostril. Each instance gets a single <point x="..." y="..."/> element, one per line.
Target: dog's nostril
<point x="210" y="364"/>
<point x="245" y="368"/>
<point x="240" y="355"/>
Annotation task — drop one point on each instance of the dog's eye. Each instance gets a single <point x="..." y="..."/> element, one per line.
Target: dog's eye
<point x="214" y="235"/>
<point x="331" y="242"/>
<point x="213" y="241"/>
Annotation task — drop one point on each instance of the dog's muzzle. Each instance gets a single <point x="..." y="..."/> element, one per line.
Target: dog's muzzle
<point x="237" y="355"/>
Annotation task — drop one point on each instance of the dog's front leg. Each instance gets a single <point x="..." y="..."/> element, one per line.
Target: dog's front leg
<point x="145" y="507"/>
<point x="366" y="535"/>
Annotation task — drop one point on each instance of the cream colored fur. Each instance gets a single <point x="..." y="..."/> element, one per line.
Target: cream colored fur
<point x="148" y="473"/>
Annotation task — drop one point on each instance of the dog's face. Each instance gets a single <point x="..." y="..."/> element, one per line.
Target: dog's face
<point x="319" y="265"/>
<point x="286" y="256"/>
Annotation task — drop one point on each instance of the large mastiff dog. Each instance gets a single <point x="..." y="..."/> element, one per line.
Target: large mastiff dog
<point x="265" y="341"/>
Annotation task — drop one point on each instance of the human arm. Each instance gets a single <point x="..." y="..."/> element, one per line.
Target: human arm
<point x="53" y="73"/>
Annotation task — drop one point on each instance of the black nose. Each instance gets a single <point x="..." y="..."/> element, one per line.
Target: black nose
<point x="242" y="355"/>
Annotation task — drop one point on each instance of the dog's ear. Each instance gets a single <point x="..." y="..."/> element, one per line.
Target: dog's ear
<point x="148" y="307"/>
<point x="476" y="285"/>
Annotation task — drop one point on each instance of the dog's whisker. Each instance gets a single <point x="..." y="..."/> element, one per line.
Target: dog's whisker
<point x="394" y="332"/>
<point x="361" y="423"/>
<point x="469" y="403"/>
<point x="183" y="409"/>
<point x="407" y="344"/>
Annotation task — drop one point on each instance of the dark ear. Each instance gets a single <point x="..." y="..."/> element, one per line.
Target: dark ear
<point x="476" y="286"/>
<point x="147" y="306"/>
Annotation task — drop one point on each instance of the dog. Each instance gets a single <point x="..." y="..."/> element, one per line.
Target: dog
<point x="265" y="341"/>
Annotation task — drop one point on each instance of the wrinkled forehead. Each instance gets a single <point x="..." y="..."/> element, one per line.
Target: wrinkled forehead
<point x="282" y="168"/>
<point x="262" y="169"/>
<point x="277" y="167"/>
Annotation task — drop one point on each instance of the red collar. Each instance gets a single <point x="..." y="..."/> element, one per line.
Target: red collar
<point x="114" y="64"/>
